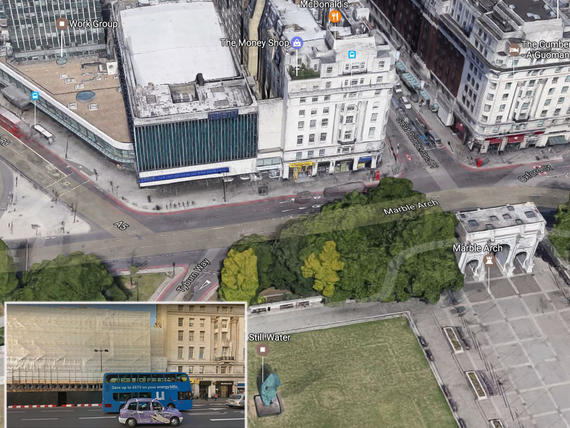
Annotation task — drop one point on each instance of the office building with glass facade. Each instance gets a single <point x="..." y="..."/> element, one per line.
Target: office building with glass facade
<point x="33" y="32"/>
<point x="196" y="118"/>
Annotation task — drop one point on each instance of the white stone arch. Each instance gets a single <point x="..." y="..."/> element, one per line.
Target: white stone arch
<point x="472" y="270"/>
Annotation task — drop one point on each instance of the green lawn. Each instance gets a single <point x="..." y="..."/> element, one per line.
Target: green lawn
<point x="363" y="375"/>
<point x="147" y="284"/>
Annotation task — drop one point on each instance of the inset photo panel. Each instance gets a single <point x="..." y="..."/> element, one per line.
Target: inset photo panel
<point x="101" y="365"/>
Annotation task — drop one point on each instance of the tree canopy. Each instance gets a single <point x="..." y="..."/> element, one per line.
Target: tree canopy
<point x="357" y="248"/>
<point x="73" y="277"/>
<point x="560" y="235"/>
<point x="239" y="276"/>
<point x="323" y="267"/>
<point x="8" y="279"/>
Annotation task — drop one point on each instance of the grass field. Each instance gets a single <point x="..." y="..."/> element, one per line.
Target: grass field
<point x="363" y="375"/>
<point x="147" y="284"/>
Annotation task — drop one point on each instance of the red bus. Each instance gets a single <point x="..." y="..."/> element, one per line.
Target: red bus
<point x="10" y="122"/>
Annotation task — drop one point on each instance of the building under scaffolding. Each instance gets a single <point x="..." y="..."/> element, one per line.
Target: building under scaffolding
<point x="75" y="344"/>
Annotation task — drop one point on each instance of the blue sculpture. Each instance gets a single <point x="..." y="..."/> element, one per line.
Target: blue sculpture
<point x="268" y="390"/>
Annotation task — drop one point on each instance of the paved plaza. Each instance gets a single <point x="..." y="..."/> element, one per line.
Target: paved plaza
<point x="520" y="327"/>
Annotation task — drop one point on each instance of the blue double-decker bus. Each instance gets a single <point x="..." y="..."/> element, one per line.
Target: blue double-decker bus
<point x="171" y="389"/>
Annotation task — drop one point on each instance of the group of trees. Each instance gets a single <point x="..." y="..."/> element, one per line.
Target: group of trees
<point x="352" y="249"/>
<point x="560" y="235"/>
<point x="77" y="276"/>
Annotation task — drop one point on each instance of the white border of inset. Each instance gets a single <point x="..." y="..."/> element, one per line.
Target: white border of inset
<point x="107" y="303"/>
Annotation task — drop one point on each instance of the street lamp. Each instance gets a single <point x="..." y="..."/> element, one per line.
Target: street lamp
<point x="101" y="354"/>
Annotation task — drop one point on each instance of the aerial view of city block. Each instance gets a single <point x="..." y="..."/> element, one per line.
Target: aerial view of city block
<point x="385" y="184"/>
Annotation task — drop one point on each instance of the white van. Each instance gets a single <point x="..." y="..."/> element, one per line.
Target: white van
<point x="406" y="103"/>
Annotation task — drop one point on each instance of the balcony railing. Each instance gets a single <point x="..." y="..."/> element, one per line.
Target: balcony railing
<point x="225" y="358"/>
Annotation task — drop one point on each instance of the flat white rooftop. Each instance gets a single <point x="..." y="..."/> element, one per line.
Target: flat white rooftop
<point x="173" y="42"/>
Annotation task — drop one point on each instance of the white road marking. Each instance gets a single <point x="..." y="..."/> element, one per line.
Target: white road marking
<point x="97" y="417"/>
<point x="227" y="419"/>
<point x="57" y="181"/>
<point x="40" y="419"/>
<point x="71" y="190"/>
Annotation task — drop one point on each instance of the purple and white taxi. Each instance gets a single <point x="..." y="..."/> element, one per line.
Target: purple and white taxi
<point x="140" y="411"/>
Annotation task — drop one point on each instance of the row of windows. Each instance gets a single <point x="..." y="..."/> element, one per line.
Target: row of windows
<point x="146" y="377"/>
<point x="313" y="112"/>
<point x="301" y="138"/>
<point x="202" y="322"/>
<point x="145" y="405"/>
<point x="191" y="335"/>
<point x="543" y="113"/>
<point x="201" y="353"/>
<point x="196" y="142"/>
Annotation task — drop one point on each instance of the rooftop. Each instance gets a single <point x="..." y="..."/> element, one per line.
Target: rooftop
<point x="499" y="217"/>
<point x="531" y="10"/>
<point x="105" y="111"/>
<point x="171" y="43"/>
<point x="298" y="21"/>
<point x="193" y="97"/>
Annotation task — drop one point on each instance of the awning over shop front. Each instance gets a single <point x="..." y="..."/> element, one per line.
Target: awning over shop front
<point x="558" y="139"/>
<point x="494" y="140"/>
<point x="411" y="80"/>
<point x="515" y="138"/>
<point x="301" y="164"/>
<point x="365" y="159"/>
<point x="400" y="67"/>
<point x="425" y="95"/>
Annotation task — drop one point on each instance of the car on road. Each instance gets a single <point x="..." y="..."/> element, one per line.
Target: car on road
<point x="406" y="103"/>
<point x="422" y="341"/>
<point x="205" y="284"/>
<point x="236" y="400"/>
<point x="398" y="91"/>
<point x="408" y="156"/>
<point x="433" y="137"/>
<point x="143" y="411"/>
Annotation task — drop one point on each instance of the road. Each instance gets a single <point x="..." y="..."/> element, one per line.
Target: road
<point x="185" y="237"/>
<point x="214" y="415"/>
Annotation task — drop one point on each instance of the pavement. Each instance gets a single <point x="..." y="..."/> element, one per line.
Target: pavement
<point x="204" y="414"/>
<point x="182" y="233"/>
<point x="519" y="335"/>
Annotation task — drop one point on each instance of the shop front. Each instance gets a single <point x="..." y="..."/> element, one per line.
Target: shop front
<point x="514" y="142"/>
<point x="343" y="165"/>
<point x="224" y="388"/>
<point x="204" y="388"/>
<point x="364" y="162"/>
<point x="493" y="145"/>
<point x="301" y="169"/>
<point x="557" y="140"/>
<point x="323" y="168"/>
<point x="241" y="388"/>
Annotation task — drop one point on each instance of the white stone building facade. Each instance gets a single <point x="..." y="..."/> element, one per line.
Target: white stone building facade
<point x="336" y="88"/>
<point x="510" y="102"/>
<point x="510" y="233"/>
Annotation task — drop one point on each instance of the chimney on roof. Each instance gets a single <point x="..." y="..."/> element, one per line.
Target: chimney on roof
<point x="200" y="79"/>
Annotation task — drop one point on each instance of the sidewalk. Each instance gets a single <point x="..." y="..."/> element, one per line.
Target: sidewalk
<point x="123" y="186"/>
<point x="465" y="157"/>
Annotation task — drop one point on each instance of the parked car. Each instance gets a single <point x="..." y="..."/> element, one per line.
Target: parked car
<point x="406" y="103"/>
<point x="148" y="411"/>
<point x="423" y="342"/>
<point x="433" y="137"/>
<point x="398" y="91"/>
<point x="445" y="390"/>
<point x="236" y="400"/>
<point x="429" y="355"/>
<point x="453" y="405"/>
<point x="462" y="423"/>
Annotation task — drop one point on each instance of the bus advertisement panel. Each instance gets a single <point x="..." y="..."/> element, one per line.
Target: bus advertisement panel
<point x="171" y="389"/>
